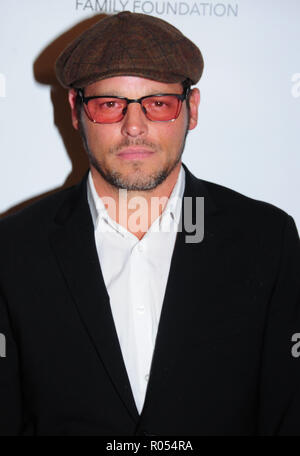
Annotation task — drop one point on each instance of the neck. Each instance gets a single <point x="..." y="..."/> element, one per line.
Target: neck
<point x="135" y="210"/>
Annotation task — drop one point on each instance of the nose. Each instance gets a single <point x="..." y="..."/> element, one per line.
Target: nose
<point x="135" y="121"/>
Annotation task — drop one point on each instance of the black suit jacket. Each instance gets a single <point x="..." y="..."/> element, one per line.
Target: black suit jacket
<point x="222" y="363"/>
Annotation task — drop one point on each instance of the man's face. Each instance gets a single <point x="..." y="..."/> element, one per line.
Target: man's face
<point x="135" y="153"/>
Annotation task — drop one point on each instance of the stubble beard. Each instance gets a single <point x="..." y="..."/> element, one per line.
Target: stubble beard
<point x="141" y="181"/>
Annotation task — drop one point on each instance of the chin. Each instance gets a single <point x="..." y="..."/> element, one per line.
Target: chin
<point x="136" y="181"/>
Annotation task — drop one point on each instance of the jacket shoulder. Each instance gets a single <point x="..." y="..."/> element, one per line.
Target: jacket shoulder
<point x="251" y="218"/>
<point x="228" y="201"/>
<point x="37" y="214"/>
<point x="231" y="201"/>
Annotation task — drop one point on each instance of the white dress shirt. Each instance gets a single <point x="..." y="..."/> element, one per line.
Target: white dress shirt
<point x="135" y="273"/>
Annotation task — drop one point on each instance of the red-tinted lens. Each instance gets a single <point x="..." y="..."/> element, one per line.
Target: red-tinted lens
<point x="162" y="108"/>
<point x="106" y="110"/>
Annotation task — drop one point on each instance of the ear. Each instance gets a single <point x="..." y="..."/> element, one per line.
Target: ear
<point x="72" y="102"/>
<point x="194" y="105"/>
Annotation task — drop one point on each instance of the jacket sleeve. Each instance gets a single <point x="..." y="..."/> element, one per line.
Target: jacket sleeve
<point x="10" y="390"/>
<point x="279" y="399"/>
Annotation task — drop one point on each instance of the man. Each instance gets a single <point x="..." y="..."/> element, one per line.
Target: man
<point x="116" y="322"/>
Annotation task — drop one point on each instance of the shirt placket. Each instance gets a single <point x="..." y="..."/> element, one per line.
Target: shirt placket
<point x="142" y="317"/>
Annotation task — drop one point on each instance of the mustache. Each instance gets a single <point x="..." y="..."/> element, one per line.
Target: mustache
<point x="138" y="142"/>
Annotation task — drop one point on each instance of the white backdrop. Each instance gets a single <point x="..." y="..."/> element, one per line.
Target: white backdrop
<point x="248" y="133"/>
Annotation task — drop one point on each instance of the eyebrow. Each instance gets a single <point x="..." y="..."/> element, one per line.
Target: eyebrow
<point x="115" y="94"/>
<point x="107" y="93"/>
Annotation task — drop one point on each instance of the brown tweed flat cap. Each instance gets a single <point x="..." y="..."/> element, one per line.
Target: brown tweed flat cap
<point x="129" y="44"/>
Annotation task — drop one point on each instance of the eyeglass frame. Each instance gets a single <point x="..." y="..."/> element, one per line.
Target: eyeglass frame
<point x="181" y="97"/>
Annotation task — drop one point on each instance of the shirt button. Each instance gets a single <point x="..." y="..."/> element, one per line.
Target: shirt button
<point x="141" y="309"/>
<point x="140" y="248"/>
<point x="147" y="377"/>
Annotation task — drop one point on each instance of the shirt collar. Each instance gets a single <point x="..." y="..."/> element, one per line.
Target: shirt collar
<point x="174" y="203"/>
<point x="173" y="207"/>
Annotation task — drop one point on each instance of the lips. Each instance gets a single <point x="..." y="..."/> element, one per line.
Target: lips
<point x="135" y="153"/>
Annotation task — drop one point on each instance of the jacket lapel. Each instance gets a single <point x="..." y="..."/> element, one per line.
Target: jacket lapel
<point x="189" y="282"/>
<point x="72" y="239"/>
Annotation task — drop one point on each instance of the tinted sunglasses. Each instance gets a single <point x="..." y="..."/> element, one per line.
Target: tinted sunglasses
<point x="106" y="109"/>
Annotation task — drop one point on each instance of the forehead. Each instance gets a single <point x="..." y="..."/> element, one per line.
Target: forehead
<point x="131" y="86"/>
